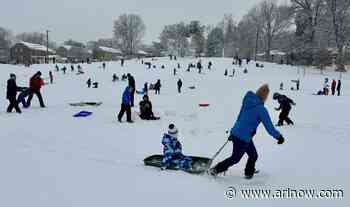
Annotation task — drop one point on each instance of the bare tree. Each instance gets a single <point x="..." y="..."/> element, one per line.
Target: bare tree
<point x="228" y="25"/>
<point x="32" y="37"/>
<point x="339" y="11"/>
<point x="5" y="44"/>
<point x="276" y="19"/>
<point x="36" y="38"/>
<point x="308" y="17"/>
<point x="251" y="24"/>
<point x="129" y="30"/>
<point x="175" y="38"/>
<point x="198" y="41"/>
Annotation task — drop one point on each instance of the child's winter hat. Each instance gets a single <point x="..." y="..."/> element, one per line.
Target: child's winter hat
<point x="276" y="95"/>
<point x="13" y="76"/>
<point x="172" y="130"/>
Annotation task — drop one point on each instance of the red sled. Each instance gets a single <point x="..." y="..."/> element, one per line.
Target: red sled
<point x="204" y="104"/>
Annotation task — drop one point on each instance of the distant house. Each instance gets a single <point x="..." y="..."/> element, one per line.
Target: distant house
<point x="276" y="57"/>
<point x="73" y="53"/>
<point x="142" y="54"/>
<point x="107" y="53"/>
<point x="29" y="53"/>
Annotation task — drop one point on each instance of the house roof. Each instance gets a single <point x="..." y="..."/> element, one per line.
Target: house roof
<point x="67" y="47"/>
<point x="36" y="47"/>
<point x="141" y="52"/>
<point x="273" y="52"/>
<point x="110" y="50"/>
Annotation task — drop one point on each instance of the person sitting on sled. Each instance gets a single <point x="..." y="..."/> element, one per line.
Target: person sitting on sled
<point x="172" y="151"/>
<point x="146" y="112"/>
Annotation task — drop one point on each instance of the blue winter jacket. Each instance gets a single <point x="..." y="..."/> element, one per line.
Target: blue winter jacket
<point x="252" y="113"/>
<point x="126" y="96"/>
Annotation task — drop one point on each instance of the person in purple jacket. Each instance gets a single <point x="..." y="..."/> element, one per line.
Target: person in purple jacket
<point x="252" y="113"/>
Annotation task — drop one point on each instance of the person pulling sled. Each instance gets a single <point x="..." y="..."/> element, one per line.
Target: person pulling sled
<point x="252" y="113"/>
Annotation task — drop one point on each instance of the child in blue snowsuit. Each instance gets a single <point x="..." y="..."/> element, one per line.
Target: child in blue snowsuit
<point x="172" y="151"/>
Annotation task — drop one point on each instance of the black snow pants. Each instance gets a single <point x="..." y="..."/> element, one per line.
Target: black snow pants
<point x="239" y="149"/>
<point x="125" y="108"/>
<point x="284" y="117"/>
<point x="38" y="94"/>
<point x="13" y="104"/>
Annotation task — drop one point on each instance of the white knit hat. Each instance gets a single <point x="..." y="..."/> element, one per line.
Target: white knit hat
<point x="172" y="130"/>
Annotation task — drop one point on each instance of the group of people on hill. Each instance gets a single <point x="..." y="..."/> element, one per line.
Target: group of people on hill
<point x="35" y="84"/>
<point x="335" y="87"/>
<point x="72" y="69"/>
<point x="252" y="113"/>
<point x="128" y="97"/>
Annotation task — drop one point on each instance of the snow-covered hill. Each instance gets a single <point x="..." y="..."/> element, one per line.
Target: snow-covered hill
<point x="50" y="159"/>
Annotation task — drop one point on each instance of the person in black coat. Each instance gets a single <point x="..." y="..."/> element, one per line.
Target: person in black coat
<point x="89" y="83"/>
<point x="11" y="94"/>
<point x="132" y="85"/>
<point x="338" y="87"/>
<point x="146" y="112"/>
<point x="210" y="64"/>
<point x="285" y="105"/>
<point x="157" y="86"/>
<point x="145" y="88"/>
<point x="179" y="85"/>
<point x="199" y="66"/>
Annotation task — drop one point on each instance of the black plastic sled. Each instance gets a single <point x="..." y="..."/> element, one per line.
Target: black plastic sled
<point x="199" y="164"/>
<point x="86" y="104"/>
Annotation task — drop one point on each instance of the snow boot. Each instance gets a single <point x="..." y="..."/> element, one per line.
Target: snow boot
<point x="248" y="177"/>
<point x="212" y="172"/>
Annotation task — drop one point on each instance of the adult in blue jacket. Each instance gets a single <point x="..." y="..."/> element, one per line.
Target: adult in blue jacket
<point x="126" y="105"/>
<point x="252" y="113"/>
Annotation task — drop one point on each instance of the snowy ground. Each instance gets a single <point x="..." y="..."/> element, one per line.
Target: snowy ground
<point x="49" y="158"/>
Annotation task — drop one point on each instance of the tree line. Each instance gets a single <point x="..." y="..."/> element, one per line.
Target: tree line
<point x="311" y="32"/>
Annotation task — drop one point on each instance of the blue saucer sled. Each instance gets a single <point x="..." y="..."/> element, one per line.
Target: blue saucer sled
<point x="83" y="114"/>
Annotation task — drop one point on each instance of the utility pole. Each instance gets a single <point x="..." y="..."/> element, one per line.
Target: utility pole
<point x="47" y="46"/>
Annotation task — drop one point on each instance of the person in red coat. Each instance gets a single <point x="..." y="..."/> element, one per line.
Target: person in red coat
<point x="35" y="84"/>
<point x="334" y="85"/>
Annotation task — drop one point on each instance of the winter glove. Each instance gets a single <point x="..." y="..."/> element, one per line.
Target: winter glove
<point x="280" y="140"/>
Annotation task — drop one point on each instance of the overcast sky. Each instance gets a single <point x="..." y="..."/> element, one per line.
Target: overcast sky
<point x="85" y="20"/>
